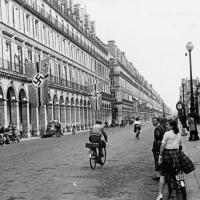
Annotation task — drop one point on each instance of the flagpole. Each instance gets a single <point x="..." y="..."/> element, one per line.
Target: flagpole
<point x="39" y="103"/>
<point x="38" y="70"/>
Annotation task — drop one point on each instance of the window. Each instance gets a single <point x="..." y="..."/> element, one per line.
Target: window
<point x="57" y="43"/>
<point x="113" y="94"/>
<point x="44" y="35"/>
<point x="18" y="60"/>
<point x="29" y="56"/>
<point x="48" y="37"/>
<point x="27" y="23"/>
<point x="7" y="11"/>
<point x="7" y="63"/>
<point x="112" y="81"/>
<point x="51" y="39"/>
<point x="36" y="29"/>
<point x="16" y="18"/>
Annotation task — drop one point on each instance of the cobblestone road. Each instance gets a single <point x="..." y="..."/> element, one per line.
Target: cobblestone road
<point x="58" y="169"/>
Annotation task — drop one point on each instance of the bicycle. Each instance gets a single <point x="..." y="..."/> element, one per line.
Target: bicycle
<point x="94" y="155"/>
<point x="176" y="181"/>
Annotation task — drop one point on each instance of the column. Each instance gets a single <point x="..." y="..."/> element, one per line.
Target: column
<point x="35" y="121"/>
<point x="93" y="116"/>
<point x="89" y="117"/>
<point x="56" y="112"/>
<point x="63" y="116"/>
<point x="25" y="119"/>
<point x="68" y="118"/>
<point x="43" y="118"/>
<point x="85" y="117"/>
<point x="77" y="117"/>
<point x="73" y="116"/>
<point x="49" y="112"/>
<point x="3" y="111"/>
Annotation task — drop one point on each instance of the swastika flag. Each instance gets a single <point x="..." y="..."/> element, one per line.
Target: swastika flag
<point x="44" y="67"/>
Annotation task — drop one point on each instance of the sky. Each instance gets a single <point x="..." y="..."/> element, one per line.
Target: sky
<point x="153" y="34"/>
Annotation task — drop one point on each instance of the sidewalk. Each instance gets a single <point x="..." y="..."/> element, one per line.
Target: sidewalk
<point x="192" y="150"/>
<point x="38" y="137"/>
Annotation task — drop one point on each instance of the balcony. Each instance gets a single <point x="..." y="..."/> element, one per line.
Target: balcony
<point x="106" y="96"/>
<point x="12" y="70"/>
<point x="72" y="85"/>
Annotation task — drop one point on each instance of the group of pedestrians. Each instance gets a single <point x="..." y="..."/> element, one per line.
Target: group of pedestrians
<point x="167" y="151"/>
<point x="9" y="135"/>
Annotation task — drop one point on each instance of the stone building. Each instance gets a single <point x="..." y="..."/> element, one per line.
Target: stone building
<point x="133" y="95"/>
<point x="186" y="99"/>
<point x="33" y="30"/>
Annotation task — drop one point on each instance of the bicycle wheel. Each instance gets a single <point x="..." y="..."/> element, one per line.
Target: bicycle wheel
<point x="184" y="193"/>
<point x="181" y="194"/>
<point x="93" y="159"/>
<point x="103" y="158"/>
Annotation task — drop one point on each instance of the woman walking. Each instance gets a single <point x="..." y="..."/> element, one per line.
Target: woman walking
<point x="171" y="155"/>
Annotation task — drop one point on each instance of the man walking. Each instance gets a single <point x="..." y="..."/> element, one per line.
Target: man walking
<point x="192" y="129"/>
<point x="158" y="136"/>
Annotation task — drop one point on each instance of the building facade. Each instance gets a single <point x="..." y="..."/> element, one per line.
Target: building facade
<point x="133" y="95"/>
<point x="185" y="96"/>
<point x="33" y="30"/>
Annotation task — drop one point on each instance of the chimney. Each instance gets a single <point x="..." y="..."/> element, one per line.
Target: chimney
<point x="87" y="21"/>
<point x="77" y="10"/>
<point x="111" y="43"/>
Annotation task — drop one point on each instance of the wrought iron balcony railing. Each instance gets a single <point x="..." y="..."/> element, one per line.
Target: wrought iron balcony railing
<point x="70" y="84"/>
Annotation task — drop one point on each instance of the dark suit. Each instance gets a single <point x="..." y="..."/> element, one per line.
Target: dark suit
<point x="158" y="136"/>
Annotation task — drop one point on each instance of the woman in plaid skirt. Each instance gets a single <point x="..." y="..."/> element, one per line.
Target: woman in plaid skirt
<point x="171" y="155"/>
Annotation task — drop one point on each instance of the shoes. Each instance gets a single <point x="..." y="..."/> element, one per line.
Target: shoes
<point x="156" y="178"/>
<point x="160" y="197"/>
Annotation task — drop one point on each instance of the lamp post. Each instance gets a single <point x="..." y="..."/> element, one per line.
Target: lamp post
<point x="190" y="47"/>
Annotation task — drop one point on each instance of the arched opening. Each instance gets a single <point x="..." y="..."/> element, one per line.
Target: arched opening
<point x="11" y="106"/>
<point x="81" y="115"/>
<point x="2" y="111"/>
<point x="85" y="114"/>
<point x="22" y="100"/>
<point x="23" y="110"/>
<point x="89" y="113"/>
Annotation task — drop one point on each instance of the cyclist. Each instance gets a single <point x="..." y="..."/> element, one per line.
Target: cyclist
<point x="171" y="155"/>
<point x="96" y="132"/>
<point x="137" y="127"/>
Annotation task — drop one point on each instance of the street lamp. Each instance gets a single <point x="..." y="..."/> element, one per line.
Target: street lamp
<point x="95" y="94"/>
<point x="190" y="47"/>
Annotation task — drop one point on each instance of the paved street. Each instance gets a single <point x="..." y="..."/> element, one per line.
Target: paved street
<point x="58" y="168"/>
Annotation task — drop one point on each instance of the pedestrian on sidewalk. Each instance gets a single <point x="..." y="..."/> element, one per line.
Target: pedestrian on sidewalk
<point x="171" y="155"/>
<point x="158" y="136"/>
<point x="192" y="129"/>
<point x="73" y="130"/>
